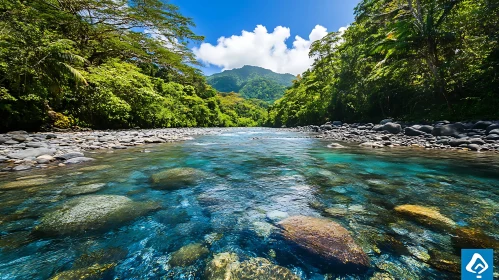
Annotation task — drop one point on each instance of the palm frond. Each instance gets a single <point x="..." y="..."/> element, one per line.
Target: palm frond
<point x="74" y="72"/>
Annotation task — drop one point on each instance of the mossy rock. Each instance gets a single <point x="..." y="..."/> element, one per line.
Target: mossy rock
<point x="95" y="167"/>
<point x="83" y="189"/>
<point x="20" y="184"/>
<point x="177" y="178"/>
<point x="426" y="215"/>
<point x="261" y="269"/>
<point x="188" y="254"/>
<point x="219" y="267"/>
<point x="103" y="256"/>
<point x="226" y="266"/>
<point x="94" y="272"/>
<point x="92" y="212"/>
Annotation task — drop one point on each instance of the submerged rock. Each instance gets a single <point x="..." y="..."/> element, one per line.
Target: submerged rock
<point x="425" y="215"/>
<point x="473" y="238"/>
<point x="83" y="189"/>
<point x="95" y="168"/>
<point x="226" y="266"/>
<point x="188" y="254"/>
<point x="92" y="212"/>
<point x="335" y="146"/>
<point x="324" y="238"/>
<point x="94" y="272"/>
<point x="371" y="145"/>
<point x="103" y="256"/>
<point x="276" y="215"/>
<point x="176" y="178"/>
<point x="25" y="183"/>
<point x="260" y="268"/>
<point x="219" y="267"/>
<point x="78" y="160"/>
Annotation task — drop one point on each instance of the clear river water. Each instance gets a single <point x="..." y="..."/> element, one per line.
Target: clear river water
<point x="251" y="179"/>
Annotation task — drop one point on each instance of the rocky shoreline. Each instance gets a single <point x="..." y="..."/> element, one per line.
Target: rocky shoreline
<point x="20" y="150"/>
<point x="477" y="136"/>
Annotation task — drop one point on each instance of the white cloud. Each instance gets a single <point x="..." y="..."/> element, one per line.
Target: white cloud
<point x="168" y="42"/>
<point x="261" y="48"/>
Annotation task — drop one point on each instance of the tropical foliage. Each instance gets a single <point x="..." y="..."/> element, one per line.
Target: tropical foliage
<point x="103" y="64"/>
<point x="408" y="59"/>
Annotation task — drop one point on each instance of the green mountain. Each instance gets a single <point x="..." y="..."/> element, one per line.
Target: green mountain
<point x="252" y="82"/>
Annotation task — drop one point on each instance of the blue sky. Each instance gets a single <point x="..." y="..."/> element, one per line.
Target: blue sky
<point x="217" y="18"/>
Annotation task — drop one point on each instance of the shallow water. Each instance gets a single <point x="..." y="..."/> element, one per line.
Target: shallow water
<point x="253" y="173"/>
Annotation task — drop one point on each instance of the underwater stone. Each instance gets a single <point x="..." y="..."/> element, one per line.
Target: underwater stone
<point x="277" y="215"/>
<point x="263" y="229"/>
<point x="25" y="183"/>
<point x="78" y="160"/>
<point x="95" y="168"/>
<point x="219" y="267"/>
<point x="473" y="238"/>
<point x="260" y="268"/>
<point x="92" y="212"/>
<point x="335" y="146"/>
<point x="176" y="178"/>
<point x="103" y="256"/>
<point x="226" y="266"/>
<point x="425" y="215"/>
<point x="324" y="238"/>
<point x="94" y="272"/>
<point x="188" y="254"/>
<point x="83" y="189"/>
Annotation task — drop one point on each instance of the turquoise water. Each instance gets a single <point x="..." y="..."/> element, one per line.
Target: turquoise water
<point x="250" y="176"/>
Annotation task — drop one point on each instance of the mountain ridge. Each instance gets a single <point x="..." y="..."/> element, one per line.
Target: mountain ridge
<point x="252" y="82"/>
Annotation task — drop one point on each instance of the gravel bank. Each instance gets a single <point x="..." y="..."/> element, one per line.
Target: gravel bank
<point x="477" y="136"/>
<point x="20" y="150"/>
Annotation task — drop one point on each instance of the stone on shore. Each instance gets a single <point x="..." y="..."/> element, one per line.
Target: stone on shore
<point x="411" y="131"/>
<point x="335" y="146"/>
<point x="92" y="212"/>
<point x="31" y="153"/>
<point x="70" y="155"/>
<point x="44" y="159"/>
<point x="177" y="178"/>
<point x="77" y="160"/>
<point x="425" y="215"/>
<point x="188" y="254"/>
<point x="448" y="130"/>
<point x="393" y="128"/>
<point x="324" y="238"/>
<point x="371" y="145"/>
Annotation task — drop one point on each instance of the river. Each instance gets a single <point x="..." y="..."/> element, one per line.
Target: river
<point x="239" y="185"/>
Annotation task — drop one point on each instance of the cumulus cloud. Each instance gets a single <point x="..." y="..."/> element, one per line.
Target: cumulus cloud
<point x="261" y="48"/>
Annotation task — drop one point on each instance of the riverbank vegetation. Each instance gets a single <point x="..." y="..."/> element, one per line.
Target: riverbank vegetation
<point x="407" y="59"/>
<point x="105" y="64"/>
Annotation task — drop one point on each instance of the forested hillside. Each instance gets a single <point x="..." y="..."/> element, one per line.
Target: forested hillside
<point x="252" y="82"/>
<point x="103" y="64"/>
<point x="407" y="59"/>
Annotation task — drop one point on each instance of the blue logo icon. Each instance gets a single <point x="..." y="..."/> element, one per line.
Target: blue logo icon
<point x="477" y="264"/>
